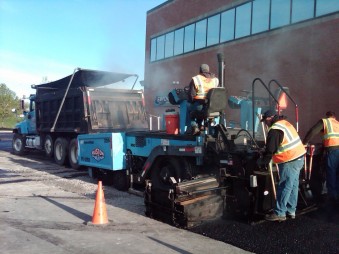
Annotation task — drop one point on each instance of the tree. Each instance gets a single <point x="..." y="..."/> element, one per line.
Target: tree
<point x="8" y="101"/>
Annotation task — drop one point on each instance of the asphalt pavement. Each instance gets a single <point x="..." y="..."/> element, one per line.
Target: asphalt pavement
<point x="37" y="216"/>
<point x="45" y="208"/>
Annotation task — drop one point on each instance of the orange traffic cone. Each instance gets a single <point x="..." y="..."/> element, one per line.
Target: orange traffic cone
<point x="100" y="212"/>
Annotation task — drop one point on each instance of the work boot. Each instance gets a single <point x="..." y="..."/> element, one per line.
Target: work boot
<point x="290" y="216"/>
<point x="274" y="217"/>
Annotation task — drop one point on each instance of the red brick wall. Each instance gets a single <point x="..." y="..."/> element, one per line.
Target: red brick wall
<point x="304" y="57"/>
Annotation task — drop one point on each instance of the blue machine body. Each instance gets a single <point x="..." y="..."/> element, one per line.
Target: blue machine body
<point x="246" y="115"/>
<point x="143" y="144"/>
<point x="108" y="150"/>
<point x="102" y="150"/>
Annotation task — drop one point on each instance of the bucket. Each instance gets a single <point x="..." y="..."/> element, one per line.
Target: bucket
<point x="172" y="122"/>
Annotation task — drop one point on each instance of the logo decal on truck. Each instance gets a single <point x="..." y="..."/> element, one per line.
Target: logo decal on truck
<point x="97" y="154"/>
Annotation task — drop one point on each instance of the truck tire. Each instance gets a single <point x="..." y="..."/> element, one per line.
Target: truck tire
<point x="163" y="169"/>
<point x="60" y="151"/>
<point x="120" y="180"/>
<point x="18" y="144"/>
<point x="48" y="146"/>
<point x="73" y="154"/>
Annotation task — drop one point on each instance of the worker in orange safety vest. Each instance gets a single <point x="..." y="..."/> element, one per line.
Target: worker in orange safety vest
<point x="198" y="89"/>
<point x="329" y="128"/>
<point x="285" y="148"/>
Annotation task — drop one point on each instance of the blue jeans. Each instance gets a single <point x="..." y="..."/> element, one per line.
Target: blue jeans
<point x="195" y="107"/>
<point x="287" y="192"/>
<point x="332" y="173"/>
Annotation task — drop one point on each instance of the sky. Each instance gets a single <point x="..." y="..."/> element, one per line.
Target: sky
<point x="48" y="39"/>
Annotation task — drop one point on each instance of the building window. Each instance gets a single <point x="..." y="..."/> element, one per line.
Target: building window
<point x="243" y="20"/>
<point x="189" y="38"/>
<point x="227" y="25"/>
<point x="153" y="49"/>
<point x="213" y="30"/>
<point x="302" y="10"/>
<point x="179" y="41"/>
<point x="160" y="47"/>
<point x="324" y="7"/>
<point x="260" y="16"/>
<point x="200" y="34"/>
<point x="169" y="44"/>
<point x="280" y="13"/>
<point x="253" y="17"/>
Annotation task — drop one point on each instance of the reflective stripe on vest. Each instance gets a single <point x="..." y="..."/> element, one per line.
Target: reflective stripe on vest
<point x="331" y="132"/>
<point x="203" y="85"/>
<point x="291" y="147"/>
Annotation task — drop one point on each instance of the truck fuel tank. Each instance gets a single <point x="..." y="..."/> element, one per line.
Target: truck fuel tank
<point x="33" y="142"/>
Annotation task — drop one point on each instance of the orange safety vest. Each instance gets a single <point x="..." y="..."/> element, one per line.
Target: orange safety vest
<point x="203" y="85"/>
<point x="331" y="132"/>
<point x="291" y="147"/>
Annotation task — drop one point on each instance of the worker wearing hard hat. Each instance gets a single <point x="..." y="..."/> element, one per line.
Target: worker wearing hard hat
<point x="285" y="148"/>
<point x="198" y="89"/>
<point x="329" y="128"/>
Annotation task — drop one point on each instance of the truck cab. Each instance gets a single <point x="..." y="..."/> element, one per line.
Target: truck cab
<point x="28" y="125"/>
<point x="26" y="129"/>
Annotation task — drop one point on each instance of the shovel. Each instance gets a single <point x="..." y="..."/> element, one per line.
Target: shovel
<point x="312" y="148"/>
<point x="270" y="164"/>
<point x="305" y="166"/>
<point x="272" y="180"/>
<point x="308" y="191"/>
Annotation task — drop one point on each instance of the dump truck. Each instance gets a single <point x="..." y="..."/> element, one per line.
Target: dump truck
<point x="83" y="102"/>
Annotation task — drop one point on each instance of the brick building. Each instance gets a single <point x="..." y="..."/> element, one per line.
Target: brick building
<point x="294" y="42"/>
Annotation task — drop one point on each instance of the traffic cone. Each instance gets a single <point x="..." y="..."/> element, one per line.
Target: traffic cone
<point x="100" y="212"/>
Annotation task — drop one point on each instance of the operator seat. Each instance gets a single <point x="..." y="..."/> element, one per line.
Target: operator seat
<point x="214" y="104"/>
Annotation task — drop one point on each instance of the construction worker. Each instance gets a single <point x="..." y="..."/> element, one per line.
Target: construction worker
<point x="329" y="128"/>
<point x="285" y="148"/>
<point x="198" y="89"/>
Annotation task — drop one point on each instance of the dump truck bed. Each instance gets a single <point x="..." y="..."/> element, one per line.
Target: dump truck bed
<point x="80" y="104"/>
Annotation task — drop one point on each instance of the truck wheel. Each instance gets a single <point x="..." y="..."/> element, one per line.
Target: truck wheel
<point x="48" y="146"/>
<point x="18" y="144"/>
<point x="163" y="170"/>
<point x="120" y="180"/>
<point x="60" y="151"/>
<point x="73" y="154"/>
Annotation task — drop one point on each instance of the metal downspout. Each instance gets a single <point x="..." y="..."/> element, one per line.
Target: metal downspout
<point x="221" y="69"/>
